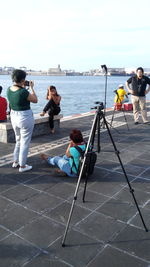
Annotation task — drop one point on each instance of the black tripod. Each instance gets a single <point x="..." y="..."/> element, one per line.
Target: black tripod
<point x="121" y="109"/>
<point x="99" y="115"/>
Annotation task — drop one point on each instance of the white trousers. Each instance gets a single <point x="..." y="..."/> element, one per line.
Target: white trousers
<point x="22" y="123"/>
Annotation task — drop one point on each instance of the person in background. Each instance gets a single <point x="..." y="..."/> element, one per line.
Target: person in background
<point x="120" y="95"/>
<point x="53" y="106"/>
<point x="21" y="117"/>
<point x="3" y="107"/>
<point x="137" y="86"/>
<point x="66" y="163"/>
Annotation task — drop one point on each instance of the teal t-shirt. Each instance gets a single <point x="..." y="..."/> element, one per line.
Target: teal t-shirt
<point x="76" y="155"/>
<point x="18" y="99"/>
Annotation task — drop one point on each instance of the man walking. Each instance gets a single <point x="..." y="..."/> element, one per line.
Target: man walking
<point x="137" y="86"/>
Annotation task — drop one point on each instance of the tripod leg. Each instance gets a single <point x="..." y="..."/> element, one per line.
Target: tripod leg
<point x="85" y="184"/>
<point x="121" y="164"/>
<point x="94" y="132"/>
<point x="68" y="222"/>
<point x="91" y="137"/>
<point x="98" y="134"/>
<point x="97" y="125"/>
<point x="112" y="117"/>
<point x="73" y="203"/>
<point x="125" y="118"/>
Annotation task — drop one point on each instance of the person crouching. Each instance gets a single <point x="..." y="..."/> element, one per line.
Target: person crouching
<point x="53" y="106"/>
<point x="120" y="95"/>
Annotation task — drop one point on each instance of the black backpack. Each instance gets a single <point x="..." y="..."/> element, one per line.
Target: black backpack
<point x="90" y="161"/>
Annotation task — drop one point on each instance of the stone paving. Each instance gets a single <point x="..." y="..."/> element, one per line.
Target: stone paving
<point x="105" y="231"/>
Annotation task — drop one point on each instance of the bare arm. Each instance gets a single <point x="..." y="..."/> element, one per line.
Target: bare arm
<point x="49" y="95"/>
<point x="68" y="150"/>
<point x="147" y="91"/>
<point x="125" y="94"/>
<point x="32" y="97"/>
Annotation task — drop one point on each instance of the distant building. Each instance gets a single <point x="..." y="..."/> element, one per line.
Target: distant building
<point x="117" y="71"/>
<point x="130" y="70"/>
<point x="55" y="71"/>
<point x="74" y="73"/>
<point x="147" y="71"/>
<point x="23" y="68"/>
<point x="9" y="69"/>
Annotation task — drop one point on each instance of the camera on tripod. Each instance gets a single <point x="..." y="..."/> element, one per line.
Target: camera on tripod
<point x="100" y="105"/>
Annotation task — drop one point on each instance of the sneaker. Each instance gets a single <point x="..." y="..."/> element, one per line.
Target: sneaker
<point x="136" y="122"/>
<point x="15" y="164"/>
<point x="26" y="168"/>
<point x="146" y="122"/>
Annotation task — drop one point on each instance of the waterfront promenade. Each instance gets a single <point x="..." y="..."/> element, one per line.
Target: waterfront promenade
<point x="106" y="230"/>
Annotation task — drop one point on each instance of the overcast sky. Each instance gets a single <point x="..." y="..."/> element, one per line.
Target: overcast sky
<point x="77" y="34"/>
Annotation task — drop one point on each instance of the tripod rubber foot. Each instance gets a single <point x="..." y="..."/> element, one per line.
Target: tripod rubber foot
<point x="146" y="230"/>
<point x="63" y="245"/>
<point x="131" y="190"/>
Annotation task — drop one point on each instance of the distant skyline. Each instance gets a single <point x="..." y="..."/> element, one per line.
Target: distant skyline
<point x="80" y="35"/>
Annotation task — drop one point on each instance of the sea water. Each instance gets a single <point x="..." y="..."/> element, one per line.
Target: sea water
<point x="78" y="92"/>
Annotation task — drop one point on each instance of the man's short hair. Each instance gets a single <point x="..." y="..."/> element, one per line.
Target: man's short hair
<point x="1" y="88"/>
<point x="141" y="69"/>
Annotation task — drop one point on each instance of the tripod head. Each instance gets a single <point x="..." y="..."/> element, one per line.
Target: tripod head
<point x="99" y="107"/>
<point x="104" y="68"/>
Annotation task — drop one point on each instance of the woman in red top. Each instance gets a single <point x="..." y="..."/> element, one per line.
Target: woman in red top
<point x="3" y="107"/>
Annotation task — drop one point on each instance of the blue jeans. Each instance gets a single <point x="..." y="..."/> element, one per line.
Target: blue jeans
<point x="62" y="163"/>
